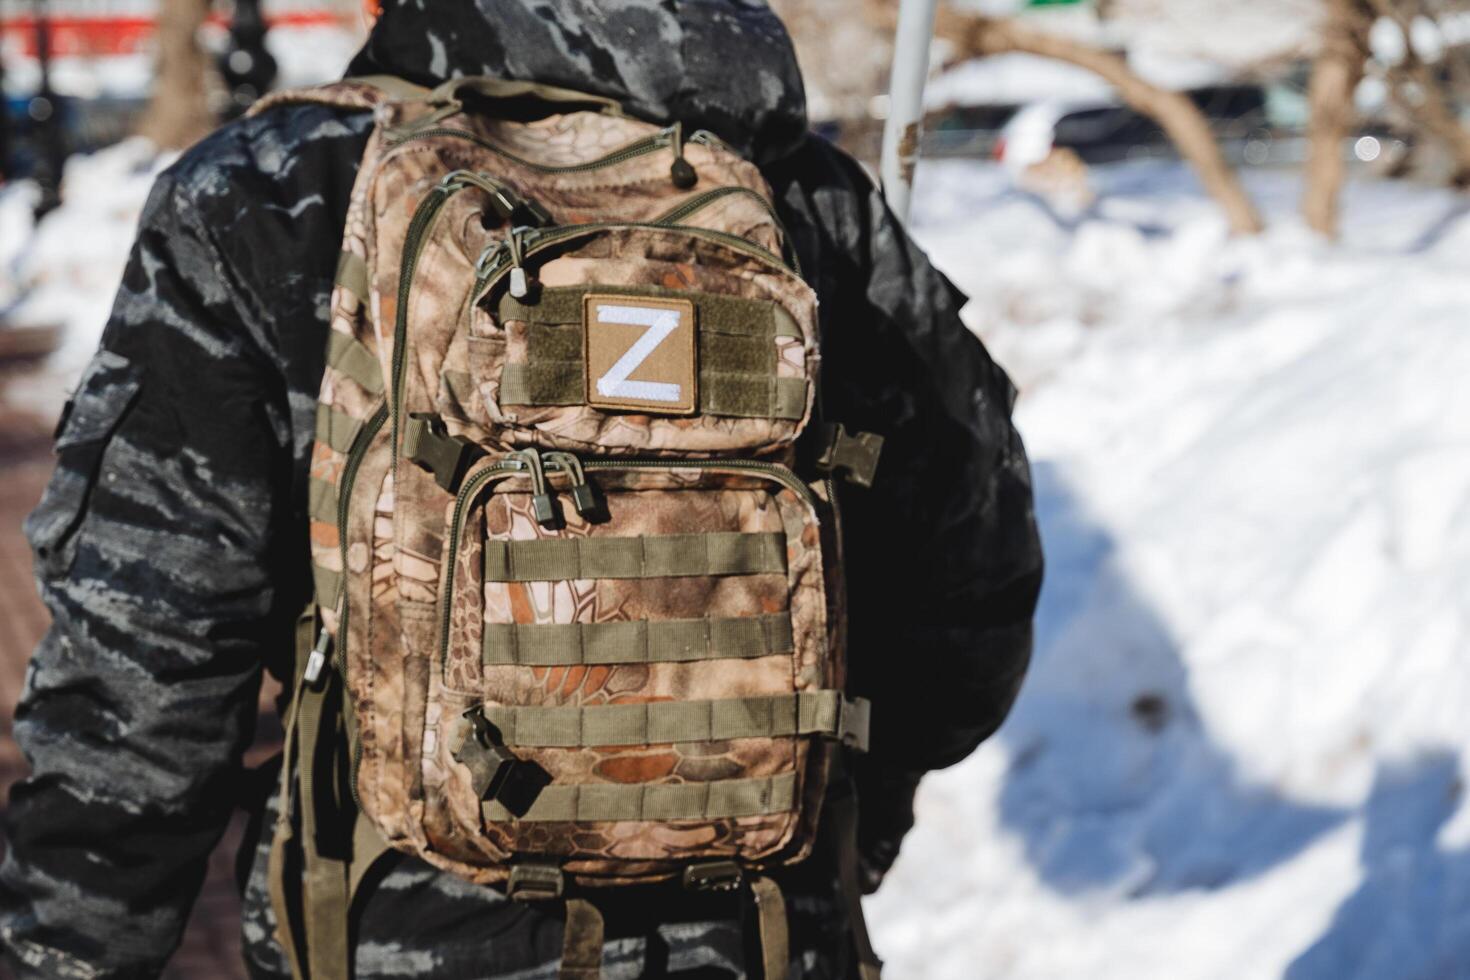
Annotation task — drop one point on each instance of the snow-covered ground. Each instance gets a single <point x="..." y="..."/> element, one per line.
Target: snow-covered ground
<point x="1238" y="754"/>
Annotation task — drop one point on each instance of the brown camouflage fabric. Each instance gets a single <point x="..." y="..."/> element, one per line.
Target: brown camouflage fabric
<point x="406" y="572"/>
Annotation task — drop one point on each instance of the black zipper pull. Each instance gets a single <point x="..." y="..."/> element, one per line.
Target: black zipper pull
<point x="584" y="497"/>
<point x="543" y="502"/>
<point x="681" y="172"/>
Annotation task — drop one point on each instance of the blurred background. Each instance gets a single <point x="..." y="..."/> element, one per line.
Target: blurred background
<point x="1224" y="251"/>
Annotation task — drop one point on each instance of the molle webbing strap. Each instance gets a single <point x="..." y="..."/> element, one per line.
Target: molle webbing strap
<point x="328" y="585"/>
<point x="321" y="501"/>
<point x="552" y="383"/>
<point x="733" y="315"/>
<point x="336" y="428"/>
<point x="353" y="276"/>
<point x="349" y="356"/>
<point x="653" y="556"/>
<point x="581" y="950"/>
<point x="663" y="722"/>
<point x="775" y="930"/>
<point x="637" y="642"/>
<point x="716" y="800"/>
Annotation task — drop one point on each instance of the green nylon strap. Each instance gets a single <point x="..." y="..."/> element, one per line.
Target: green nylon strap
<point x="549" y="383"/>
<point x="581" y="950"/>
<point x="774" y="928"/>
<point x="718" y="314"/>
<point x="395" y="88"/>
<point x="336" y="428"/>
<point x="328" y="586"/>
<point x="349" y="356"/>
<point x="637" y="642"/>
<point x="716" y="800"/>
<point x="652" y="556"/>
<point x="664" y="722"/>
<point x="321" y="501"/>
<point x="353" y="276"/>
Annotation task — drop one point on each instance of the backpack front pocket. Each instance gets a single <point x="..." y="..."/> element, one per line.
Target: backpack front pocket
<point x="659" y="666"/>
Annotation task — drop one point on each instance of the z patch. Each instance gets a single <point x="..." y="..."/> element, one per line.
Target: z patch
<point x="640" y="354"/>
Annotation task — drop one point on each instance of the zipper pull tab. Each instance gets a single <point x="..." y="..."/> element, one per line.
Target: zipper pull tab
<point x="316" y="661"/>
<point x="584" y="497"/>
<point x="543" y="502"/>
<point x="520" y="282"/>
<point x="681" y="172"/>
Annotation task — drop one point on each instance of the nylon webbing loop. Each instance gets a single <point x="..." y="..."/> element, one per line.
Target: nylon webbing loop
<point x="349" y="356"/>
<point x="652" y="556"/>
<point x="336" y="428"/>
<point x="637" y="642"/>
<point x="328" y="583"/>
<point x="553" y="383"/>
<point x="660" y="722"/>
<point x="353" y="276"/>
<point x="716" y="800"/>
<point x="774" y="928"/>
<point x="321" y="501"/>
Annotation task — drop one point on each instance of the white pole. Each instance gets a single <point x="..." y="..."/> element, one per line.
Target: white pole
<point x="902" y="129"/>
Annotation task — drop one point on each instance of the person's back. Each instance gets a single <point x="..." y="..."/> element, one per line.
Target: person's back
<point x="171" y="545"/>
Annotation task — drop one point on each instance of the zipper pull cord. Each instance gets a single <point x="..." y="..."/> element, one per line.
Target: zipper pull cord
<point x="520" y="282"/>
<point x="584" y="498"/>
<point x="681" y="172"/>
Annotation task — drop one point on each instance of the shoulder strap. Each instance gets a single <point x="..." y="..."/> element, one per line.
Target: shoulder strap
<point x="365" y="93"/>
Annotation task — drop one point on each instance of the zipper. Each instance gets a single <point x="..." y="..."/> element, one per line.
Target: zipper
<point x="355" y="457"/>
<point x="701" y="201"/>
<point x="648" y="144"/>
<point x="772" y="471"/>
<point x="529" y="241"/>
<point x="467" y="492"/>
<point x="418" y="232"/>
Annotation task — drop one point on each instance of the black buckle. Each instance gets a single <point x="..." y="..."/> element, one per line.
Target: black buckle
<point x="855" y="454"/>
<point x="428" y="444"/>
<point x="713" y="876"/>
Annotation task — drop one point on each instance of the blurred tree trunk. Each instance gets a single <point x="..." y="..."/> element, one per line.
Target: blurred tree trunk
<point x="1335" y="76"/>
<point x="978" y="36"/>
<point x="179" y="114"/>
<point x="1421" y="94"/>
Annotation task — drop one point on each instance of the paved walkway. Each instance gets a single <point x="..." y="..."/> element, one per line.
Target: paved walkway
<point x="211" y="950"/>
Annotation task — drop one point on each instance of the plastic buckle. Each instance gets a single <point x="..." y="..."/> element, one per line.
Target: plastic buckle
<point x="853" y="719"/>
<point x="429" y="446"/>
<point x="535" y="882"/>
<point x="856" y="454"/>
<point x="714" y="876"/>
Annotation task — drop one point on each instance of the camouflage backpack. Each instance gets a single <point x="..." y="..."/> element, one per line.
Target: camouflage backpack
<point x="578" y="620"/>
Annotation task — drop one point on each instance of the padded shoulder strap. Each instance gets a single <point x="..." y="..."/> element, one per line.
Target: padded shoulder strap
<point x="365" y="93"/>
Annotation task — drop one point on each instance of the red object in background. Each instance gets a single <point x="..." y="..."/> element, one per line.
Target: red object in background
<point x="98" y="36"/>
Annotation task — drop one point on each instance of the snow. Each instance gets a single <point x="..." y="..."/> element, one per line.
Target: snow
<point x="1237" y="753"/>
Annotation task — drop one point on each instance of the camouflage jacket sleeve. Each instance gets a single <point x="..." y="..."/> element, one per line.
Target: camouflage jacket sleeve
<point x="943" y="558"/>
<point x="153" y="544"/>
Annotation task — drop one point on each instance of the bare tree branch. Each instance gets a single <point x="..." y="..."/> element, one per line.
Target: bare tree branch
<point x="978" y="35"/>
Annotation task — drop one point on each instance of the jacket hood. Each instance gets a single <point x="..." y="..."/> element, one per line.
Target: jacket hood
<point x="723" y="65"/>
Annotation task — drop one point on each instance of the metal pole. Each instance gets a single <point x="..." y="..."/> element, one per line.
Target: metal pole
<point x="902" y="128"/>
<point x="48" y="138"/>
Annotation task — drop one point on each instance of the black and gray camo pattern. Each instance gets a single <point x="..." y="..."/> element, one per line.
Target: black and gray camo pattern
<point x="171" y="542"/>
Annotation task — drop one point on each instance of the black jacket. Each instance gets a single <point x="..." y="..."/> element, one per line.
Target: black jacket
<point x="171" y="543"/>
